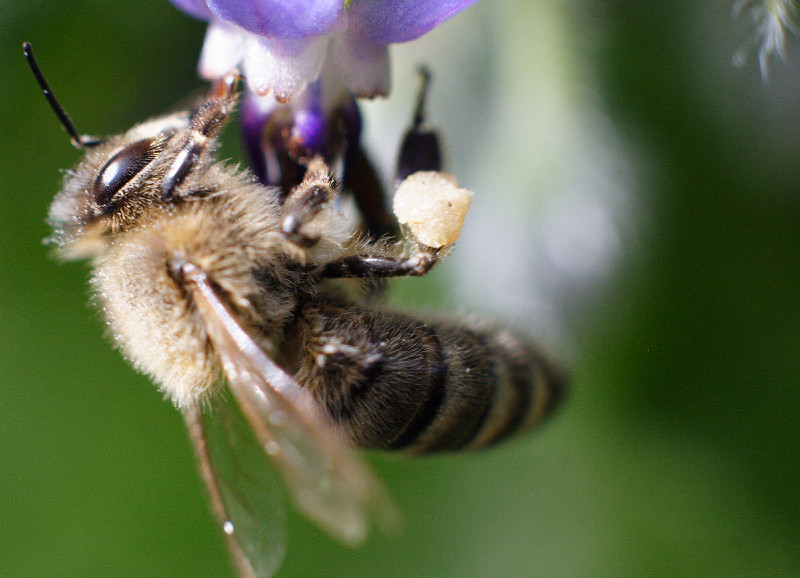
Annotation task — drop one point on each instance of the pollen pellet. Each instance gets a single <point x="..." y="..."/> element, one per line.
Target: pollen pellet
<point x="433" y="207"/>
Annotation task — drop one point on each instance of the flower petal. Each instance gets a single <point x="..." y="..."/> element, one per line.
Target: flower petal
<point x="284" y="66"/>
<point x="387" y="22"/>
<point x="223" y="49"/>
<point x="196" y="8"/>
<point x="364" y="65"/>
<point x="281" y="18"/>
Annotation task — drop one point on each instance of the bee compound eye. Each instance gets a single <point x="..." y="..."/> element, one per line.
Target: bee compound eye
<point x="120" y="169"/>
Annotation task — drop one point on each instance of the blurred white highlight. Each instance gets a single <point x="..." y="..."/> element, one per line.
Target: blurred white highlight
<point x="772" y="19"/>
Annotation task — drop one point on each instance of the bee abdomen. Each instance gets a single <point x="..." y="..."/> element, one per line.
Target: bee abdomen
<point x="494" y="385"/>
<point x="394" y="382"/>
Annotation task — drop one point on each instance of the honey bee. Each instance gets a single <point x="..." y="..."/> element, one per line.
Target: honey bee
<point x="228" y="295"/>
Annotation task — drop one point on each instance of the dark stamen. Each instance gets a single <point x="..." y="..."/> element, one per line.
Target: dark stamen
<point x="419" y="113"/>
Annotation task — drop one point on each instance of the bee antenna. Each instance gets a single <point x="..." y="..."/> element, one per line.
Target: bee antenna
<point x="425" y="77"/>
<point x="79" y="141"/>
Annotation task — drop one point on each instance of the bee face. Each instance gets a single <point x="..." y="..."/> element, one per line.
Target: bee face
<point x="111" y="187"/>
<point x="128" y="178"/>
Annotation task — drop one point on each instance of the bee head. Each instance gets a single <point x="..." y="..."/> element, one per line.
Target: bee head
<point x="124" y="179"/>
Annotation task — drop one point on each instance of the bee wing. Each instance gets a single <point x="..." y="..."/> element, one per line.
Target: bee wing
<point x="244" y="492"/>
<point x="328" y="482"/>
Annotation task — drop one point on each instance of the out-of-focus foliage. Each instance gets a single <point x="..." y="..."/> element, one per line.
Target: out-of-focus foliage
<point x="677" y="452"/>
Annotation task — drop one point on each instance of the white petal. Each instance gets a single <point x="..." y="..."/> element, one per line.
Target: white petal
<point x="364" y="66"/>
<point x="223" y="49"/>
<point x="264" y="105"/>
<point x="283" y="66"/>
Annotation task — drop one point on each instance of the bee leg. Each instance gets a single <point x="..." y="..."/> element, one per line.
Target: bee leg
<point x="305" y="201"/>
<point x="361" y="178"/>
<point x="420" y="150"/>
<point x="372" y="266"/>
<point x="205" y="123"/>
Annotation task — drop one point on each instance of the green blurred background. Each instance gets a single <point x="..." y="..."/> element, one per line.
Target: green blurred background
<point x="677" y="452"/>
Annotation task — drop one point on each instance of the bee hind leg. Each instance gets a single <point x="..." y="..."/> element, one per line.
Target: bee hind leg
<point x="376" y="266"/>
<point x="362" y="180"/>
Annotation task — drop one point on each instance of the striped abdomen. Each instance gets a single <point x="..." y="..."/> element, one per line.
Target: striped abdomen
<point x="395" y="382"/>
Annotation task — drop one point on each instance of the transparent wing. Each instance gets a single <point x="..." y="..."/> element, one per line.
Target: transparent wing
<point x="242" y="485"/>
<point x="328" y="482"/>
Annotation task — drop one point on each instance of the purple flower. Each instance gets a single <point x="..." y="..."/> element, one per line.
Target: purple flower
<point x="315" y="55"/>
<point x="282" y="45"/>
